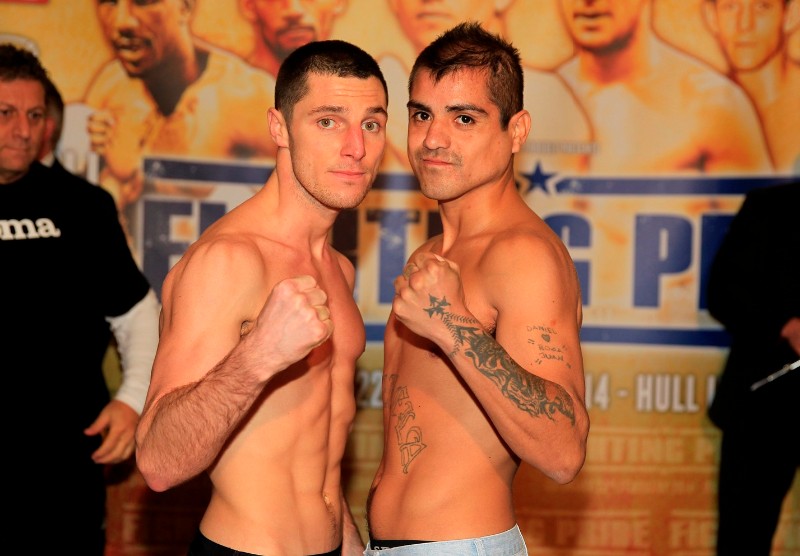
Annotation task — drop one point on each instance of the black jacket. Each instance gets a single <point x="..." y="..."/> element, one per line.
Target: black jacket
<point x="753" y="290"/>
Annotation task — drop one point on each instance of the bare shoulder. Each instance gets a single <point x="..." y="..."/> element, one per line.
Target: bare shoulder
<point x="527" y="268"/>
<point x="702" y="84"/>
<point x="240" y="79"/>
<point x="218" y="269"/>
<point x="526" y="247"/>
<point x="109" y="84"/>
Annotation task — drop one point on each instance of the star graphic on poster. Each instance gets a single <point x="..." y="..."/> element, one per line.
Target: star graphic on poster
<point x="538" y="179"/>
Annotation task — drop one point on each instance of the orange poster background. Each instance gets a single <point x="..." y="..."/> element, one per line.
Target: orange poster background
<point x="648" y="486"/>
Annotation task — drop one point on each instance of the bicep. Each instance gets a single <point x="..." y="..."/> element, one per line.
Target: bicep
<point x="202" y="316"/>
<point x="538" y="319"/>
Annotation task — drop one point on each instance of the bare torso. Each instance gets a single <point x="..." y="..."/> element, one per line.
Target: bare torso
<point x="446" y="472"/>
<point x="222" y="115"/>
<point x="276" y="482"/>
<point x="432" y="424"/>
<point x="777" y="100"/>
<point x="671" y="115"/>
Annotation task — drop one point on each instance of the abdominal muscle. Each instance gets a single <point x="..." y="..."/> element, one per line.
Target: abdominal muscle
<point x="276" y="486"/>
<point x="446" y="473"/>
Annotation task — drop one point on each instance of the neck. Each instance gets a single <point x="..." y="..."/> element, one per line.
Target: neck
<point x="264" y="58"/>
<point x="168" y="81"/>
<point x="623" y="60"/>
<point x="766" y="82"/>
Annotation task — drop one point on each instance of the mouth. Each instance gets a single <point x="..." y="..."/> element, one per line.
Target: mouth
<point x="432" y="14"/>
<point x="129" y="49"/>
<point x="434" y="19"/>
<point x="19" y="149"/>
<point x="349" y="174"/>
<point x="298" y="35"/>
<point x="589" y="16"/>
<point x="19" y="155"/>
<point x="434" y="162"/>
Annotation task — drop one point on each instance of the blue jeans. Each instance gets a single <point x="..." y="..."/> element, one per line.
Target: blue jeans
<point x="509" y="543"/>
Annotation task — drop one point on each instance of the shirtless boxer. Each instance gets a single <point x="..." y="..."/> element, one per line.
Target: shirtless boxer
<point x="560" y="137"/>
<point x="280" y="27"/>
<point x="482" y="359"/>
<point x="254" y="373"/>
<point x="754" y="37"/>
<point x="168" y="93"/>
<point x="655" y="109"/>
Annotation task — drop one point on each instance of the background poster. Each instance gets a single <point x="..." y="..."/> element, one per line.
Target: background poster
<point x="627" y="174"/>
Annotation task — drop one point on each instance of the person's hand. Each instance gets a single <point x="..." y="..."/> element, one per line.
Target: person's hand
<point x="427" y="295"/>
<point x="791" y="331"/>
<point x="120" y="147"/>
<point x="117" y="423"/>
<point x="294" y="320"/>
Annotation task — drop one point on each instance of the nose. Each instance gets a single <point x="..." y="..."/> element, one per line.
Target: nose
<point x="22" y="126"/>
<point x="123" y="15"/>
<point x="746" y="18"/>
<point x="354" y="143"/>
<point x="436" y="136"/>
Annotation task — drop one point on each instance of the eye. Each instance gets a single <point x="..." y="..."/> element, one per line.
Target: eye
<point x="371" y="126"/>
<point x="764" y="6"/>
<point x="326" y="123"/>
<point x="420" y="116"/>
<point x="464" y="119"/>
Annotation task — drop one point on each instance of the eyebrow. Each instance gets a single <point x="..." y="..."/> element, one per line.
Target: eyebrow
<point x="337" y="109"/>
<point x="328" y="108"/>
<point x="449" y="108"/>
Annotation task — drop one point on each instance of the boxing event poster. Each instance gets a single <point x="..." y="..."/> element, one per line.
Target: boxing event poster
<point x="639" y="167"/>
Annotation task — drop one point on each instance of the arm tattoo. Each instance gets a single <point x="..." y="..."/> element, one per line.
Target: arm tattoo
<point x="525" y="390"/>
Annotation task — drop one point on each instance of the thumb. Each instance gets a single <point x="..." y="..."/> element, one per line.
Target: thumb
<point x="97" y="427"/>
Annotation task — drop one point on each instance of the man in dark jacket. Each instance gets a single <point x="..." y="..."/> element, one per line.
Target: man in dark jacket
<point x="69" y="282"/>
<point x="754" y="291"/>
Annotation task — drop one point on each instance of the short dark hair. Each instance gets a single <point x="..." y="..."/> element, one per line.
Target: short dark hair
<point x="330" y="57"/>
<point x="20" y="63"/>
<point x="470" y="46"/>
<point x="55" y="110"/>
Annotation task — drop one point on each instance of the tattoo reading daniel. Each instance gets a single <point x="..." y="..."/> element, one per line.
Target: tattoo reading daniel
<point x="526" y="391"/>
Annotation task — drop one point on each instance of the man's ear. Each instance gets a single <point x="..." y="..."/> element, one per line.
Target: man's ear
<point x="519" y="126"/>
<point x="277" y="128"/>
<point x="710" y="16"/>
<point x="47" y="139"/>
